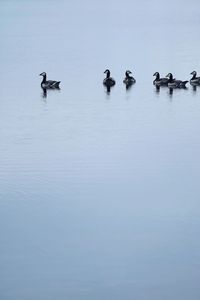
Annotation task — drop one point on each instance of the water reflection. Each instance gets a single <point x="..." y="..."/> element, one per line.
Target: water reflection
<point x="171" y="91"/>
<point x="108" y="89"/>
<point x="129" y="86"/>
<point x="194" y="86"/>
<point x="45" y="91"/>
<point x="157" y="90"/>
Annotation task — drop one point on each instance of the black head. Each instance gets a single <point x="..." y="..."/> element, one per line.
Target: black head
<point x="43" y="74"/>
<point x="107" y="72"/>
<point x="194" y="73"/>
<point x="156" y="74"/>
<point x="127" y="73"/>
<point x="169" y="75"/>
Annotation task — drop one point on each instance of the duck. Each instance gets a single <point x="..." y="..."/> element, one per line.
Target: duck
<point x="194" y="80"/>
<point x="108" y="81"/>
<point x="174" y="83"/>
<point x="129" y="80"/>
<point x="48" y="84"/>
<point x="160" y="81"/>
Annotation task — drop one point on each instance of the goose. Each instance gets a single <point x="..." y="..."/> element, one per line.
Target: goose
<point x="128" y="80"/>
<point x="194" y="80"/>
<point x="108" y="81"/>
<point x="174" y="83"/>
<point x="160" y="81"/>
<point x="48" y="84"/>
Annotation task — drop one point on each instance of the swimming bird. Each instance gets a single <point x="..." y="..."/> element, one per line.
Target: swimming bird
<point x="174" y="83"/>
<point x="160" y="81"/>
<point x="194" y="80"/>
<point x="49" y="84"/>
<point x="108" y="81"/>
<point x="128" y="80"/>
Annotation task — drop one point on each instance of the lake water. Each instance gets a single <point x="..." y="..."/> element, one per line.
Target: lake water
<point x="99" y="192"/>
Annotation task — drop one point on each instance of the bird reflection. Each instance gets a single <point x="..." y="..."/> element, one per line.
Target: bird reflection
<point x="108" y="89"/>
<point x="157" y="89"/>
<point x="194" y="88"/>
<point x="129" y="86"/>
<point x="44" y="91"/>
<point x="171" y="90"/>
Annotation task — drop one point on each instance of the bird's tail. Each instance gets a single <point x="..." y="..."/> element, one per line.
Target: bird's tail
<point x="56" y="85"/>
<point x="185" y="82"/>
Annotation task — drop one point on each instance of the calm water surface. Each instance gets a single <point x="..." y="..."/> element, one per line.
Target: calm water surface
<point x="99" y="193"/>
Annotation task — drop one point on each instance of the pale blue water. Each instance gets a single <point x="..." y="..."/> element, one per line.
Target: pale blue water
<point x="99" y="194"/>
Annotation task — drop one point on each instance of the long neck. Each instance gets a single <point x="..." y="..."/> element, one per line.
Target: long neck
<point x="157" y="76"/>
<point x="170" y="77"/>
<point x="194" y="76"/>
<point x="108" y="74"/>
<point x="44" y="78"/>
